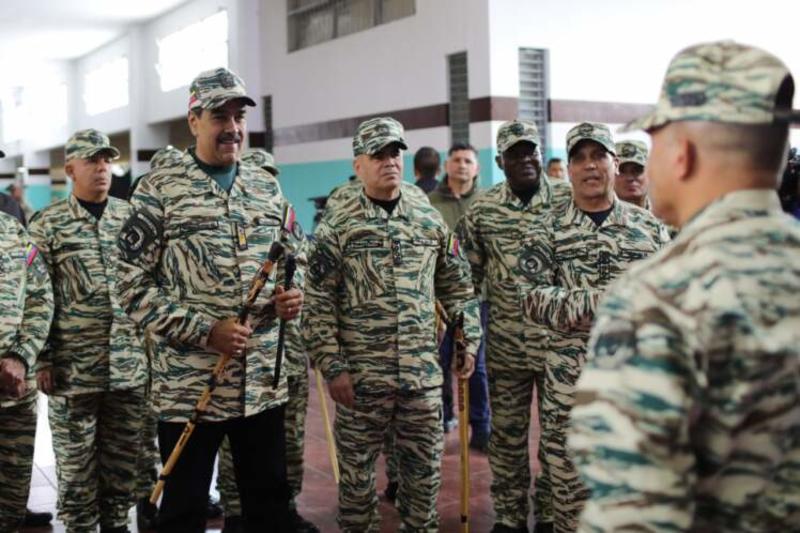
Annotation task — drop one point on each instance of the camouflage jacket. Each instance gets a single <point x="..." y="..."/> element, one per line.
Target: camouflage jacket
<point x="687" y="416"/>
<point x="27" y="301"/>
<point x="577" y="260"/>
<point x="93" y="346"/>
<point x="371" y="289"/>
<point x="497" y="233"/>
<point x="189" y="253"/>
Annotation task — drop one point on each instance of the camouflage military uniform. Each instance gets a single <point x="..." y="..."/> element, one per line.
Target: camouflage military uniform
<point x="370" y="312"/>
<point x="191" y="250"/>
<point x="576" y="260"/>
<point x="687" y="415"/>
<point x="497" y="234"/>
<point x="95" y="354"/>
<point x="27" y="301"/>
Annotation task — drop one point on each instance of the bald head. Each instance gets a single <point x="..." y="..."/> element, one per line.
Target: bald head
<point x="693" y="163"/>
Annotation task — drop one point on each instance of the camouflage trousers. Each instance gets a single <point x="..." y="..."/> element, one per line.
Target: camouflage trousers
<point x="569" y="494"/>
<point x="17" y="436"/>
<point x="96" y="440"/>
<point x="295" y="425"/>
<point x="149" y="460"/>
<point x="416" y="417"/>
<point x="510" y="395"/>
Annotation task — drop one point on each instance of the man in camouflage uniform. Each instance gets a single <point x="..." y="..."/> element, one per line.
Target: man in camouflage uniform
<point x="27" y="301"/>
<point x="687" y="415"/>
<point x="585" y="243"/>
<point x="379" y="263"/>
<point x="295" y="365"/>
<point x="631" y="181"/>
<point x="198" y="235"/>
<point x="496" y="234"/>
<point x="93" y="367"/>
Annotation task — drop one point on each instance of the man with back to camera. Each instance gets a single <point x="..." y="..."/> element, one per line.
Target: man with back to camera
<point x="199" y="233"/>
<point x="687" y="414"/>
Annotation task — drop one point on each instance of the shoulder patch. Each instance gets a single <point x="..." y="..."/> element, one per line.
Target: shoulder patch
<point x="139" y="232"/>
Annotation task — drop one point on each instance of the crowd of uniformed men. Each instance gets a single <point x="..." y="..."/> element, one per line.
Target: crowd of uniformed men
<point x="667" y="374"/>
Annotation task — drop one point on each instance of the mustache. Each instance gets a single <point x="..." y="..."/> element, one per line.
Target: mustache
<point x="230" y="137"/>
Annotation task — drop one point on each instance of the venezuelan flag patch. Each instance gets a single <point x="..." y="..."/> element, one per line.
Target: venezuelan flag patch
<point x="30" y="254"/>
<point x="453" y="246"/>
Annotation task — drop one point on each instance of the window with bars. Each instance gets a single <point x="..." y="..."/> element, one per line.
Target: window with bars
<point x="458" y="87"/>
<point x="534" y="90"/>
<point x="316" y="21"/>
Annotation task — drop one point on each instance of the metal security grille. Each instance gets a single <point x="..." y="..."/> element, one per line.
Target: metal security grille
<point x="269" y="138"/>
<point x="316" y="21"/>
<point x="458" y="85"/>
<point x="534" y="90"/>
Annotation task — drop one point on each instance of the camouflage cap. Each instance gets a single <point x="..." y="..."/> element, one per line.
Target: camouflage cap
<point x="722" y="81"/>
<point x="214" y="88"/>
<point x="591" y="131"/>
<point x="260" y="158"/>
<point x="374" y="134"/>
<point x="514" y="131"/>
<point x="168" y="156"/>
<point x="632" y="152"/>
<point x="86" y="143"/>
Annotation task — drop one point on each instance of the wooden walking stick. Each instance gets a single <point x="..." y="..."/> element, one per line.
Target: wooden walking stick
<point x="252" y="294"/>
<point x="459" y="351"/>
<point x="326" y="421"/>
<point x="291" y="266"/>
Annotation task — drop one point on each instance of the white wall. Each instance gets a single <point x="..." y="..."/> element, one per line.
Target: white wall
<point x="393" y="66"/>
<point x="618" y="50"/>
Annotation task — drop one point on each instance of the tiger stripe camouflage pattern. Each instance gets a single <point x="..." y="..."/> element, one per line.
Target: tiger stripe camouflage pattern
<point x="687" y="415"/>
<point x="577" y="260"/>
<point x="496" y="233"/>
<point x="27" y="301"/>
<point x="189" y="253"/>
<point x="370" y="311"/>
<point x="98" y="364"/>
<point x="93" y="346"/>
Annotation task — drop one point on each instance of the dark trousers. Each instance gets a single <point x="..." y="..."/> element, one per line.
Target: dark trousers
<point x="258" y="446"/>
<point x="479" y="413"/>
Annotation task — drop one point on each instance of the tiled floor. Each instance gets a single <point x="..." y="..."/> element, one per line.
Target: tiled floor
<point x="318" y="499"/>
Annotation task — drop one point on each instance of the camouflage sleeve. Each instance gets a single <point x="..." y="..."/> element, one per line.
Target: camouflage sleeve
<point x="295" y="347"/>
<point x="40" y="238"/>
<point x="38" y="311"/>
<point x="562" y="309"/>
<point x="630" y="423"/>
<point x="454" y="289"/>
<point x="467" y="233"/>
<point x="321" y="312"/>
<point x="140" y="243"/>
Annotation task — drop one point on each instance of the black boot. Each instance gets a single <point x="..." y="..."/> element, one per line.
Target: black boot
<point x="33" y="519"/>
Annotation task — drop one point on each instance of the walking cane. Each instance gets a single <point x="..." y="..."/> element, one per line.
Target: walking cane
<point x="459" y="350"/>
<point x="255" y="288"/>
<point x="291" y="266"/>
<point x="326" y="421"/>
